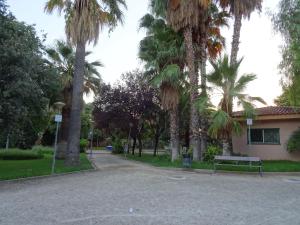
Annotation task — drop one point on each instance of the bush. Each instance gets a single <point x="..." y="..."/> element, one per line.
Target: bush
<point x="293" y="143"/>
<point x="211" y="152"/>
<point x="84" y="143"/>
<point x="117" y="146"/>
<point x="18" y="154"/>
<point x="44" y="149"/>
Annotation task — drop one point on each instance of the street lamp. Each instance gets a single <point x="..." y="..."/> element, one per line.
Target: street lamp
<point x="58" y="119"/>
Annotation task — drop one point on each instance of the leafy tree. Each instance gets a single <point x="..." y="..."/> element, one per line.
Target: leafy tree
<point x="27" y="83"/>
<point x="286" y="22"/>
<point x="125" y="107"/>
<point x="225" y="79"/>
<point x="84" y="18"/>
<point x="62" y="57"/>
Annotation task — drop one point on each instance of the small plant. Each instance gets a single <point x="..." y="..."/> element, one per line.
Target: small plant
<point x="117" y="146"/>
<point x="83" y="145"/>
<point x="211" y="152"/>
<point x="293" y="143"/>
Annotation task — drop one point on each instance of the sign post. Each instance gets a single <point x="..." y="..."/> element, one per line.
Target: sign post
<point x="58" y="120"/>
<point x="249" y="123"/>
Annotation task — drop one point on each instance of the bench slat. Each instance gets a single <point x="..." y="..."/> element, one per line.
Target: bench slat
<point x="237" y="158"/>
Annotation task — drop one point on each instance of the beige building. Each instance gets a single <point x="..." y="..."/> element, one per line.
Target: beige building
<point x="269" y="133"/>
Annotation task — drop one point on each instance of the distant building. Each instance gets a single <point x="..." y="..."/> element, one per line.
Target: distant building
<point x="269" y="133"/>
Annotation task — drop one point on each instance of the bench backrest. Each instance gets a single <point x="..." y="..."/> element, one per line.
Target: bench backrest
<point x="237" y="158"/>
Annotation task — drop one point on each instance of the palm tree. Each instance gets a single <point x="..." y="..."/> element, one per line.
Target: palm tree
<point x="210" y="44"/>
<point x="186" y="16"/>
<point x="240" y="9"/>
<point x="62" y="57"/>
<point x="162" y="50"/>
<point x="225" y="79"/>
<point x="84" y="18"/>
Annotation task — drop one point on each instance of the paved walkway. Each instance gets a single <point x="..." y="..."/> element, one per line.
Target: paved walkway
<point x="127" y="193"/>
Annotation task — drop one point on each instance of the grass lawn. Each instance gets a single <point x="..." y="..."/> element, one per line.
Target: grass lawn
<point x="12" y="169"/>
<point x="268" y="166"/>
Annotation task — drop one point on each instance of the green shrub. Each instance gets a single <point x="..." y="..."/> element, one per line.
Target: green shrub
<point x="84" y="143"/>
<point x="18" y="154"/>
<point x="293" y="143"/>
<point x="44" y="149"/>
<point x="210" y="153"/>
<point x="117" y="146"/>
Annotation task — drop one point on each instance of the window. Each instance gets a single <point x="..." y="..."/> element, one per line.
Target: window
<point x="264" y="136"/>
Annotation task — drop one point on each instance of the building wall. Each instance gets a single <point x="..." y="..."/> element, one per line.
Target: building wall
<point x="264" y="151"/>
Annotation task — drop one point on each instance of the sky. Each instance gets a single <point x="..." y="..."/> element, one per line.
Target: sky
<point x="260" y="45"/>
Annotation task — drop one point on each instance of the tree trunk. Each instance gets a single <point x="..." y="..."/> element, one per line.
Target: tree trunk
<point x="193" y="76"/>
<point x="73" y="152"/>
<point x="64" y="130"/>
<point x="225" y="145"/>
<point x="235" y="38"/>
<point x="133" y="146"/>
<point x="156" y="140"/>
<point x="174" y="134"/>
<point x="202" y="62"/>
<point x="140" y="145"/>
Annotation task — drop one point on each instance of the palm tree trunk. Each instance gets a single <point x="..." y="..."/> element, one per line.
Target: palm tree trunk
<point x="72" y="157"/>
<point x="225" y="145"/>
<point x="193" y="76"/>
<point x="66" y="112"/>
<point x="236" y="38"/>
<point x="174" y="133"/>
<point x="203" y="60"/>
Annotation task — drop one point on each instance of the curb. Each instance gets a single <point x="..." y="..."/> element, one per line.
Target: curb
<point x="211" y="172"/>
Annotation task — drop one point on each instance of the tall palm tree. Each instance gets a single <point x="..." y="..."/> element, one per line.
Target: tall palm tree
<point x="84" y="19"/>
<point x="162" y="50"/>
<point x="62" y="56"/>
<point x="186" y="16"/>
<point x="210" y="44"/>
<point x="225" y="79"/>
<point x="240" y="9"/>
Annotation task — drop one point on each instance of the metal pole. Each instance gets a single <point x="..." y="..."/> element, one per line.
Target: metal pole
<point x="92" y="142"/>
<point x="55" y="148"/>
<point x="7" y="142"/>
<point x="249" y="135"/>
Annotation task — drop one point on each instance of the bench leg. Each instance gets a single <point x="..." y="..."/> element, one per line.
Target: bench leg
<point x="260" y="169"/>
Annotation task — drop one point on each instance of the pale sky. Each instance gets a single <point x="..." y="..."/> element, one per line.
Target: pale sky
<point x="260" y="46"/>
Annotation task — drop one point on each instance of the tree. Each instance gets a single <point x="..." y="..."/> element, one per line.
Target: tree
<point x="286" y="23"/>
<point x="62" y="57"/>
<point x="27" y="83"/>
<point x="162" y="50"/>
<point x="84" y="18"/>
<point x="239" y="9"/>
<point x="225" y="79"/>
<point x="209" y="44"/>
<point x="185" y="16"/>
<point x="133" y="103"/>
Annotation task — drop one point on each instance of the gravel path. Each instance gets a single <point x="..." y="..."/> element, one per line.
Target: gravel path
<point x="124" y="192"/>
